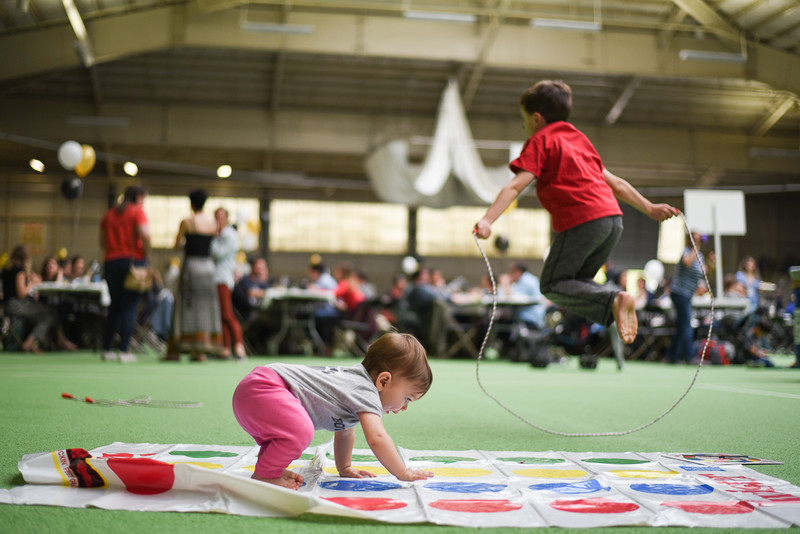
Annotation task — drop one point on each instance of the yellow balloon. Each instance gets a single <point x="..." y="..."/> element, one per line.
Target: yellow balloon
<point x="87" y="161"/>
<point x="511" y="207"/>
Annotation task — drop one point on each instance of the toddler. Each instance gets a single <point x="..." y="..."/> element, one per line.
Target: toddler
<point x="281" y="405"/>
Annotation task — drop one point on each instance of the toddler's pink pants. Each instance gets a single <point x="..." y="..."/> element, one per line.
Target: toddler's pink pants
<point x="267" y="410"/>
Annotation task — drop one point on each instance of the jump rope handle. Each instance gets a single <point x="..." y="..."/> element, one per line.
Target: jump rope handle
<point x="70" y="396"/>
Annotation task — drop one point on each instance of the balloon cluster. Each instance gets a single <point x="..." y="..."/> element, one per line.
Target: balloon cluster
<point x="74" y="156"/>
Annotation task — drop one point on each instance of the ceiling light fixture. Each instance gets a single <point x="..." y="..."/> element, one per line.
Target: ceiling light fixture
<point x="275" y="27"/>
<point x="36" y="165"/>
<point x="442" y="16"/>
<point x="130" y="168"/>
<point x="566" y="24"/>
<point x="706" y="55"/>
<point x="224" y="171"/>
<point x="270" y="26"/>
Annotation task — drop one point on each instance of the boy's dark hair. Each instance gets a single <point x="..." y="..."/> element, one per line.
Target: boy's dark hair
<point x="197" y="198"/>
<point x="552" y="99"/>
<point x="402" y="355"/>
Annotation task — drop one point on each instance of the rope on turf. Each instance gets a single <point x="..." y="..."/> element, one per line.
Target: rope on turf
<point x="140" y="400"/>
<point x="586" y="434"/>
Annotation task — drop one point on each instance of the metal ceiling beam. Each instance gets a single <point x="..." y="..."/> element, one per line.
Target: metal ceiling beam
<point x="710" y="19"/>
<point x="480" y="63"/>
<point x="613" y="53"/>
<point x="774" y="115"/>
<point x="710" y="177"/>
<point x="775" y="16"/>
<point x="624" y="97"/>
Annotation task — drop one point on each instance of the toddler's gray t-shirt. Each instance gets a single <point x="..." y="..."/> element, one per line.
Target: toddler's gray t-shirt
<point x="332" y="396"/>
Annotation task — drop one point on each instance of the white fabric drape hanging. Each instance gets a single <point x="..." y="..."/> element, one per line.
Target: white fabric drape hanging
<point x="452" y="173"/>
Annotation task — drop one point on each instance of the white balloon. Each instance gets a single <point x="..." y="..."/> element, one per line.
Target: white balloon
<point x="410" y="265"/>
<point x="70" y="153"/>
<point x="653" y="274"/>
<point x="249" y="242"/>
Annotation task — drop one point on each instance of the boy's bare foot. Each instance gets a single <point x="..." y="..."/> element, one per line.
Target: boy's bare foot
<point x="289" y="480"/>
<point x="625" y="315"/>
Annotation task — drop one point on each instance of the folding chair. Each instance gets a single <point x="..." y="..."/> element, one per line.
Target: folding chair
<point x="12" y="332"/>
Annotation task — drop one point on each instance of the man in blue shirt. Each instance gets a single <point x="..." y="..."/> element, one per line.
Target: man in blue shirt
<point x="525" y="283"/>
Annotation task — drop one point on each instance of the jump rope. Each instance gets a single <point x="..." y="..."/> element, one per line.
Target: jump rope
<point x="141" y="400"/>
<point x="586" y="434"/>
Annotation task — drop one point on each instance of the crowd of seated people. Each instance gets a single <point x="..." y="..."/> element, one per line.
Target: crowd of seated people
<point x="422" y="303"/>
<point x="38" y="323"/>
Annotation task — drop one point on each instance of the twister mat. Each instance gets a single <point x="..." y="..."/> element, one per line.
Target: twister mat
<point x="470" y="487"/>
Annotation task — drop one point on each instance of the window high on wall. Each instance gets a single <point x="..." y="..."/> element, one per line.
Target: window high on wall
<point x="346" y="227"/>
<point x="165" y="213"/>
<point x="378" y="228"/>
<point x="448" y="232"/>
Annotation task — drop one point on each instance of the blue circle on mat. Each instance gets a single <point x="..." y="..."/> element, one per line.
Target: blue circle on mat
<point x="673" y="489"/>
<point x="570" y="488"/>
<point x="359" y="485"/>
<point x="466" y="487"/>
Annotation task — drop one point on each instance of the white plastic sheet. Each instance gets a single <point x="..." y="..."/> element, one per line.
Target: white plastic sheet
<point x="452" y="173"/>
<point x="469" y="487"/>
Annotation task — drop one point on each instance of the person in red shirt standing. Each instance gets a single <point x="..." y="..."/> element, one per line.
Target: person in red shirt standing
<point x="125" y="238"/>
<point x="581" y="196"/>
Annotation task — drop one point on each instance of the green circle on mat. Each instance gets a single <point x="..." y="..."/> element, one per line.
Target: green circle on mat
<point x="615" y="461"/>
<point x="306" y="457"/>
<point x="529" y="460"/>
<point x="442" y="459"/>
<point x="205" y="454"/>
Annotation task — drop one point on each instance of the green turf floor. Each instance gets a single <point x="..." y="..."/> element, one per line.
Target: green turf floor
<point x="730" y="409"/>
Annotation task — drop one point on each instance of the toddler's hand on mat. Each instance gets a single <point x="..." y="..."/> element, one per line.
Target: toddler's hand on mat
<point x="351" y="472"/>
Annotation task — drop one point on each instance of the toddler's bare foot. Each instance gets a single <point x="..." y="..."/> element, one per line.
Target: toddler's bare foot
<point x="625" y="315"/>
<point x="289" y="480"/>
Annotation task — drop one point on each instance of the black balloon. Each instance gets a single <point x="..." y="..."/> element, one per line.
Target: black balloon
<point x="72" y="188"/>
<point x="501" y="243"/>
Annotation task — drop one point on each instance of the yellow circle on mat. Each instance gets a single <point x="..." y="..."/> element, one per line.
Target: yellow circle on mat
<point x="374" y="469"/>
<point x="551" y="473"/>
<point x="207" y="465"/>
<point x="252" y="468"/>
<point x="637" y="473"/>
<point x="459" y="472"/>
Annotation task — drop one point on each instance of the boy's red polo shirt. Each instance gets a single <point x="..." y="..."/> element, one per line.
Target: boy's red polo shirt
<point x="569" y="176"/>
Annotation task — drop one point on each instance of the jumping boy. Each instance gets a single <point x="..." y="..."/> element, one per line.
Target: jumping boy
<point x="281" y="405"/>
<point x="581" y="196"/>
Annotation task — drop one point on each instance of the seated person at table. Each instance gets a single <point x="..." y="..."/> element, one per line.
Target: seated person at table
<point x="326" y="315"/>
<point x="525" y="284"/>
<point x="19" y="284"/>
<point x="249" y="291"/>
<point x="428" y="320"/>
<point x="248" y="297"/>
<point x="51" y="270"/>
<point x="439" y="282"/>
<point x="320" y="279"/>
<point x="348" y="298"/>
<point x="393" y="302"/>
<point x="78" y="267"/>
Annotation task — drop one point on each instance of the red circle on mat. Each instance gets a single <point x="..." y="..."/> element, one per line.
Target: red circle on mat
<point x="476" y="505"/>
<point x="598" y="505"/>
<point x="712" y="508"/>
<point x="143" y="476"/>
<point x="368" y="504"/>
